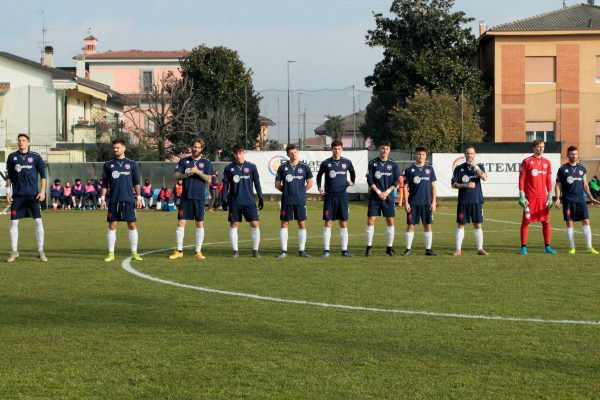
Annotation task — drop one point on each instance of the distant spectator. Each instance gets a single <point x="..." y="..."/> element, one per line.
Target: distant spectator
<point x="595" y="187"/>
<point x="147" y="194"/>
<point x="56" y="194"/>
<point x="78" y="193"/>
<point x="164" y="196"/>
<point x="214" y="192"/>
<point x="90" y="195"/>
<point x="98" y="185"/>
<point x="177" y="192"/>
<point x="66" y="199"/>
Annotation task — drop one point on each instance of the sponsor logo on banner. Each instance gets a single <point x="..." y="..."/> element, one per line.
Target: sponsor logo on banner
<point x="275" y="162"/>
<point x="457" y="161"/>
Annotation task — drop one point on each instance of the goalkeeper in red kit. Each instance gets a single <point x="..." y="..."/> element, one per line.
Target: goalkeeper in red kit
<point x="535" y="194"/>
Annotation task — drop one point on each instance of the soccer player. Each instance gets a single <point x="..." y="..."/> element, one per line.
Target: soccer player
<point x="571" y="184"/>
<point x="467" y="179"/>
<point x="23" y="195"/>
<point x="238" y="179"/>
<point x="335" y="204"/>
<point x="293" y="180"/>
<point x="420" y="202"/>
<point x="193" y="171"/>
<point x="382" y="177"/>
<point x="121" y="176"/>
<point x="535" y="194"/>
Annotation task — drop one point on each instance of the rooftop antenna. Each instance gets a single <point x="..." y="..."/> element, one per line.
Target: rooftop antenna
<point x="564" y="3"/>
<point x="44" y="30"/>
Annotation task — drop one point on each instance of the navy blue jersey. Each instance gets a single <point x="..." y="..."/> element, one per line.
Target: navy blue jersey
<point x="293" y="181"/>
<point x="23" y="170"/>
<point x="336" y="175"/>
<point x="419" y="181"/>
<point x="120" y="176"/>
<point x="194" y="187"/>
<point x="571" y="182"/>
<point x="383" y="174"/>
<point x="238" y="180"/>
<point x="465" y="173"/>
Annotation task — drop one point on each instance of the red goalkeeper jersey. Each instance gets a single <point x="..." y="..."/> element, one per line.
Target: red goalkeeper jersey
<point x="535" y="177"/>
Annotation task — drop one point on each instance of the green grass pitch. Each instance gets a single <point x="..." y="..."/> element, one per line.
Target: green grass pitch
<point x="79" y="328"/>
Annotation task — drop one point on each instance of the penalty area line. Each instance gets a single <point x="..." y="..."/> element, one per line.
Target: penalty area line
<point x="126" y="265"/>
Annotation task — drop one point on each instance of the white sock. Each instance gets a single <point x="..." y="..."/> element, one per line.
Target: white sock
<point x="460" y="235"/>
<point x="428" y="237"/>
<point x="133" y="240"/>
<point x="390" y="232"/>
<point x="587" y="235"/>
<point x="255" y="238"/>
<point x="301" y="239"/>
<point x="344" y="238"/>
<point x="199" y="239"/>
<point x="179" y="235"/>
<point x="571" y="237"/>
<point x="14" y="235"/>
<point x="112" y="239"/>
<point x="326" y="238"/>
<point x="39" y="233"/>
<point x="370" y="233"/>
<point x="233" y="238"/>
<point x="478" y="238"/>
<point x="409" y="239"/>
<point x="283" y="237"/>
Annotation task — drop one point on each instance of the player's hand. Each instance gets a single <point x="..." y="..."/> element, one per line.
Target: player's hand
<point x="322" y="191"/>
<point x="407" y="207"/>
<point x="557" y="202"/>
<point x="523" y="202"/>
<point x="261" y="203"/>
<point x="549" y="201"/>
<point x="194" y="170"/>
<point x="138" y="202"/>
<point x="103" y="204"/>
<point x="471" y="185"/>
<point x="8" y="198"/>
<point x="433" y="206"/>
<point x="350" y="183"/>
<point x="41" y="196"/>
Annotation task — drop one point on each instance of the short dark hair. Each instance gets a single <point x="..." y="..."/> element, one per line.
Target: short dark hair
<point x="291" y="147"/>
<point x="237" y="148"/>
<point x="537" y="142"/>
<point x="385" y="143"/>
<point x="56" y="181"/>
<point x="118" y="141"/>
<point x="23" y="135"/>
<point x="336" y="143"/>
<point x="470" y="146"/>
<point x="572" y="148"/>
<point x="198" y="140"/>
<point x="420" y="149"/>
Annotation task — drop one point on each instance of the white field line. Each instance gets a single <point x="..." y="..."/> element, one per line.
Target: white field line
<point x="129" y="268"/>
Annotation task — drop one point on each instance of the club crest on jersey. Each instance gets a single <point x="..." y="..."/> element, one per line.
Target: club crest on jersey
<point x="389" y="167"/>
<point x="580" y="173"/>
<point x="344" y="166"/>
<point x="300" y="170"/>
<point x="201" y="165"/>
<point x="127" y="166"/>
<point x="236" y="178"/>
<point x="30" y="159"/>
<point x="246" y="170"/>
<point x="427" y="171"/>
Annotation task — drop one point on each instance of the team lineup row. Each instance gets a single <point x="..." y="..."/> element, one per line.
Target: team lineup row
<point x="241" y="181"/>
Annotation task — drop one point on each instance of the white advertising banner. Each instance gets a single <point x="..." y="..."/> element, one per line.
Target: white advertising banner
<point x="268" y="162"/>
<point x="3" y="177"/>
<point x="502" y="171"/>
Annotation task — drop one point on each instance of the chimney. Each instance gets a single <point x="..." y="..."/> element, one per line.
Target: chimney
<point x="80" y="66"/>
<point x="48" y="59"/>
<point x="482" y="28"/>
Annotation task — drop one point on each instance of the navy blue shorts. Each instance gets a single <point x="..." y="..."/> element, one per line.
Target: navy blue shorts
<point x="25" y="207"/>
<point x="469" y="213"/>
<point x="335" y="207"/>
<point x="191" y="209"/>
<point x="236" y="211"/>
<point x="378" y="207"/>
<point x="289" y="213"/>
<point x="575" y="211"/>
<point x="121" y="212"/>
<point x="419" y="214"/>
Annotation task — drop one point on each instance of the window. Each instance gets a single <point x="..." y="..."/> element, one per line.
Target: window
<point x="540" y="130"/>
<point x="540" y="69"/>
<point x="598" y="133"/>
<point x="597" y="69"/>
<point x="147" y="82"/>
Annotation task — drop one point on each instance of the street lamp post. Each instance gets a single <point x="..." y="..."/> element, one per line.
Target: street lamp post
<point x="299" y="117"/>
<point x="288" y="100"/>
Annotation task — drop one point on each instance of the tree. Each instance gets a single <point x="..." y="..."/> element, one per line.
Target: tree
<point x="437" y="121"/>
<point x="425" y="47"/>
<point x="225" y="103"/>
<point x="334" y="126"/>
<point x="155" y="118"/>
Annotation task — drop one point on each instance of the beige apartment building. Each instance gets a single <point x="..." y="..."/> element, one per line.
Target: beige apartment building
<point x="544" y="73"/>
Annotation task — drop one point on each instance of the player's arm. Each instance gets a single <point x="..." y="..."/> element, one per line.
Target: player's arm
<point x="352" y="174"/>
<point x="405" y="193"/>
<point x="42" y="171"/>
<point x="278" y="179"/>
<point x="259" y="193"/>
<point x="523" y="202"/>
<point x="549" y="186"/>
<point x="319" y="177"/>
<point x="278" y="185"/>
<point x="586" y="188"/>
<point x="8" y="191"/>
<point x="433" y="196"/>
<point x="454" y="181"/>
<point x="138" y="195"/>
<point x="558" y="191"/>
<point x="309" y="184"/>
<point x="480" y="172"/>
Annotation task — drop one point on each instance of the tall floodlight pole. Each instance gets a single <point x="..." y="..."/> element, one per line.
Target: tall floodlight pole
<point x="288" y="100"/>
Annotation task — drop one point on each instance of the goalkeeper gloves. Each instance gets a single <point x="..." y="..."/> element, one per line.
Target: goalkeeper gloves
<point x="523" y="200"/>
<point x="549" y="201"/>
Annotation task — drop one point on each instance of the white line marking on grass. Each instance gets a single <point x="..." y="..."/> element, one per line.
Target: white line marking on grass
<point x="129" y="268"/>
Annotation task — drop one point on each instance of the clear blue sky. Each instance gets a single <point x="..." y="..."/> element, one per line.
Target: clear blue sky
<point x="325" y="37"/>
